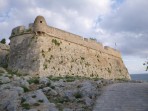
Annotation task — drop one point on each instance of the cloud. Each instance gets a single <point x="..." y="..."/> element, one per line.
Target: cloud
<point x="75" y="16"/>
<point x="127" y="26"/>
<point x="123" y="22"/>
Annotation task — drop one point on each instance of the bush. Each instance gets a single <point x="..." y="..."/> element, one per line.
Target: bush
<point x="3" y="41"/>
<point x="25" y="89"/>
<point x="34" y="80"/>
<point x="55" y="42"/>
<point x="78" y="95"/>
<point x="26" y="106"/>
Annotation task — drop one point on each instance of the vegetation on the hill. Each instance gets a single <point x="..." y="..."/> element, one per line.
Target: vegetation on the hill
<point x="3" y="41"/>
<point x="146" y="65"/>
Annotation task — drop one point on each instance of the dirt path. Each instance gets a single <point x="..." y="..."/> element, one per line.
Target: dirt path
<point x="123" y="97"/>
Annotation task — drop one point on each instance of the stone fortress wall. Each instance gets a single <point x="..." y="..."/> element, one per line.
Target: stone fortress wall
<point x="4" y="52"/>
<point x="46" y="50"/>
<point x="67" y="36"/>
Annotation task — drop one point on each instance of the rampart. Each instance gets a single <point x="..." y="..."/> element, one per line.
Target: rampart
<point x="44" y="50"/>
<point x="61" y="34"/>
<point x="4" y="52"/>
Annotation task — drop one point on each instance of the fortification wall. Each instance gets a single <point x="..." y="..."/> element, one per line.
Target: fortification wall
<point x="60" y="34"/>
<point x="24" y="54"/>
<point x="81" y="41"/>
<point x="45" y="51"/>
<point x="4" y="52"/>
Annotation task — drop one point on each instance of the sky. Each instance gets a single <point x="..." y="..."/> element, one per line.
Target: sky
<point x="120" y="22"/>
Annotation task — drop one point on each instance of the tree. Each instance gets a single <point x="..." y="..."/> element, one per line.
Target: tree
<point x="3" y="41"/>
<point x="146" y="65"/>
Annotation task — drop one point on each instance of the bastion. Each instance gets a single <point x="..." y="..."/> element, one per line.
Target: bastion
<point x="42" y="50"/>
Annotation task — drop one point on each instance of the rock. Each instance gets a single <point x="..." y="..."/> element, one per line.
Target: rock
<point x="88" y="89"/>
<point x="49" y="91"/>
<point x="39" y="101"/>
<point x="20" y="90"/>
<point x="24" y="82"/>
<point x="59" y="83"/>
<point x="67" y="109"/>
<point x="21" y="82"/>
<point x="9" y="100"/>
<point x="44" y="80"/>
<point x="46" y="89"/>
<point x="30" y="110"/>
<point x="2" y="70"/>
<point x="47" y="107"/>
<point x="88" y="101"/>
<point x="99" y="83"/>
<point x="4" y="80"/>
<point x="70" y="94"/>
<point x="35" y="96"/>
<point x="15" y="78"/>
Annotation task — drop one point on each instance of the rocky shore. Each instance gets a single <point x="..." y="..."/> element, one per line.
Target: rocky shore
<point x="25" y="93"/>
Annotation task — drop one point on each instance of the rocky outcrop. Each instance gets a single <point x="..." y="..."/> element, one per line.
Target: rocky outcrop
<point x="26" y="93"/>
<point x="4" y="52"/>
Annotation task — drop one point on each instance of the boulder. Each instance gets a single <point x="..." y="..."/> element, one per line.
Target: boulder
<point x="2" y="70"/>
<point x="39" y="101"/>
<point x="44" y="80"/>
<point x="4" y="80"/>
<point x="88" y="89"/>
<point x="49" y="91"/>
<point x="9" y="100"/>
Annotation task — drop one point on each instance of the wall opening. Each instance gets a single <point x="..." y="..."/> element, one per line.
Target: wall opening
<point x="41" y="21"/>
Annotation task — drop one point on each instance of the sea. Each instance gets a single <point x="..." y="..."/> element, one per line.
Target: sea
<point x="143" y="77"/>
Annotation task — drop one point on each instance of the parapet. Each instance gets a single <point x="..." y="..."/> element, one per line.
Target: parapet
<point x="40" y="27"/>
<point x="21" y="30"/>
<point x="112" y="51"/>
<point x="17" y="30"/>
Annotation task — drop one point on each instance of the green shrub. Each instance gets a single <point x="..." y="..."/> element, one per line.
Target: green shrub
<point x="55" y="42"/>
<point x="41" y="100"/>
<point x="25" y="89"/>
<point x="45" y="66"/>
<point x="34" y="96"/>
<point x="3" y="41"/>
<point x="34" y="80"/>
<point x="26" y="106"/>
<point x="23" y="100"/>
<point x="36" y="104"/>
<point x="78" y="95"/>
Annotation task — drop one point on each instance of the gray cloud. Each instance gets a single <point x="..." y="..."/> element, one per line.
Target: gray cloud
<point x="124" y="22"/>
<point x="128" y="27"/>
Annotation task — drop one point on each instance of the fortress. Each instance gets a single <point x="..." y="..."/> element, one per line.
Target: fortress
<point x="42" y="50"/>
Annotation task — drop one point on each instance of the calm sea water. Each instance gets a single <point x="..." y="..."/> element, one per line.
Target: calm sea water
<point x="143" y="77"/>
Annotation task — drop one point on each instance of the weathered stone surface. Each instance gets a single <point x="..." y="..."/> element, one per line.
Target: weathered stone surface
<point x="34" y="97"/>
<point x="88" y="88"/>
<point x="9" y="100"/>
<point x="49" y="91"/>
<point x="2" y="70"/>
<point x="4" y="52"/>
<point x="44" y="80"/>
<point x="67" y="109"/>
<point x="38" y="100"/>
<point x="4" y="80"/>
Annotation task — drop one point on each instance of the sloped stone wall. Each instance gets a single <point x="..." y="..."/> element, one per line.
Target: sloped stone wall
<point x="46" y="55"/>
<point x="4" y="55"/>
